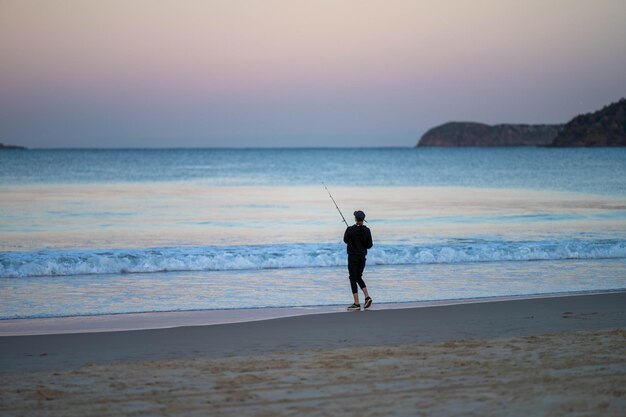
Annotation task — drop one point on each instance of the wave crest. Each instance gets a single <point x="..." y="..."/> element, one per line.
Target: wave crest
<point x="224" y="258"/>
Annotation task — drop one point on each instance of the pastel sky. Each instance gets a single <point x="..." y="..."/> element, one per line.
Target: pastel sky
<point x="154" y="73"/>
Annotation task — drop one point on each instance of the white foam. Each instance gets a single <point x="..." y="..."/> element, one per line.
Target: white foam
<point x="214" y="258"/>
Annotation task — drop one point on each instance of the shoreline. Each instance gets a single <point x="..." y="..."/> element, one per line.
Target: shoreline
<point x="437" y="324"/>
<point x="173" y="319"/>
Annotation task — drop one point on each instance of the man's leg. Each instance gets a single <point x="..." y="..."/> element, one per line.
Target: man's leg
<point x="353" y="270"/>
<point x="368" y="300"/>
<point x="361" y="268"/>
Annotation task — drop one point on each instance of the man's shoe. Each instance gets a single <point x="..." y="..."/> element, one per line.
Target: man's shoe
<point x="368" y="302"/>
<point x="355" y="307"/>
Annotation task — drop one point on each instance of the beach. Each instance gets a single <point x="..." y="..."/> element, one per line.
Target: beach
<point x="198" y="198"/>
<point x="214" y="282"/>
<point x="543" y="356"/>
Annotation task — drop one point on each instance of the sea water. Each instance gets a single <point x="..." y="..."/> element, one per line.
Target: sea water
<point x="86" y="232"/>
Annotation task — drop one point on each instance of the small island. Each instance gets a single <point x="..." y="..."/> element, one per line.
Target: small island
<point x="456" y="134"/>
<point x="8" y="147"/>
<point x="605" y="127"/>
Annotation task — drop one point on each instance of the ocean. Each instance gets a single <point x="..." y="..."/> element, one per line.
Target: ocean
<point x="92" y="232"/>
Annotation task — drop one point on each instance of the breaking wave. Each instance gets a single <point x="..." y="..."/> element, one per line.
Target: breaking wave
<point x="224" y="258"/>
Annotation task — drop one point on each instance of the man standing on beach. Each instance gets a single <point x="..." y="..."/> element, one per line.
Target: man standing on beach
<point x="358" y="239"/>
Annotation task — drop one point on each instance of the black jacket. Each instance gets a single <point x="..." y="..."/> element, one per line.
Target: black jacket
<point x="358" y="239"/>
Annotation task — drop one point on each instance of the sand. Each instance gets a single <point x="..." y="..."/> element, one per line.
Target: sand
<point x="551" y="356"/>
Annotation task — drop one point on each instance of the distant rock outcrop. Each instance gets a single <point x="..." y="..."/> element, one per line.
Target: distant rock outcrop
<point x="479" y="134"/>
<point x="605" y="127"/>
<point x="3" y="146"/>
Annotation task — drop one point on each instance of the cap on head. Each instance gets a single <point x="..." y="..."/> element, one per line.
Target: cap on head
<point x="359" y="215"/>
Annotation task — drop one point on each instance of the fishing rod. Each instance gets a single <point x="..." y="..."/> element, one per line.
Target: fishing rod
<point x="331" y="197"/>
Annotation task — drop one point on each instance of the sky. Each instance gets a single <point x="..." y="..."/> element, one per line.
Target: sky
<point x="264" y="73"/>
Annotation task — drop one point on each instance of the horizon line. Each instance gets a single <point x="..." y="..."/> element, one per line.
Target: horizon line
<point x="26" y="148"/>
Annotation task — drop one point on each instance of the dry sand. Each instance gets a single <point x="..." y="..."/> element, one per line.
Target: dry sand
<point x="553" y="356"/>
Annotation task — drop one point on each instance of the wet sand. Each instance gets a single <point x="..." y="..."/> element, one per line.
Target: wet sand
<point x="549" y="356"/>
<point x="170" y="319"/>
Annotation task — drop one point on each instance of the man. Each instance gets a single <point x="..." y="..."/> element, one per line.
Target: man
<point x="358" y="239"/>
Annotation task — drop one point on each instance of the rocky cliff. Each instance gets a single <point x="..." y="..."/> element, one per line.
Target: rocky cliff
<point x="479" y="134"/>
<point x="605" y="127"/>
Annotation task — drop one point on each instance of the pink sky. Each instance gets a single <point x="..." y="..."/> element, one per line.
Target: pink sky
<point x="298" y="73"/>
